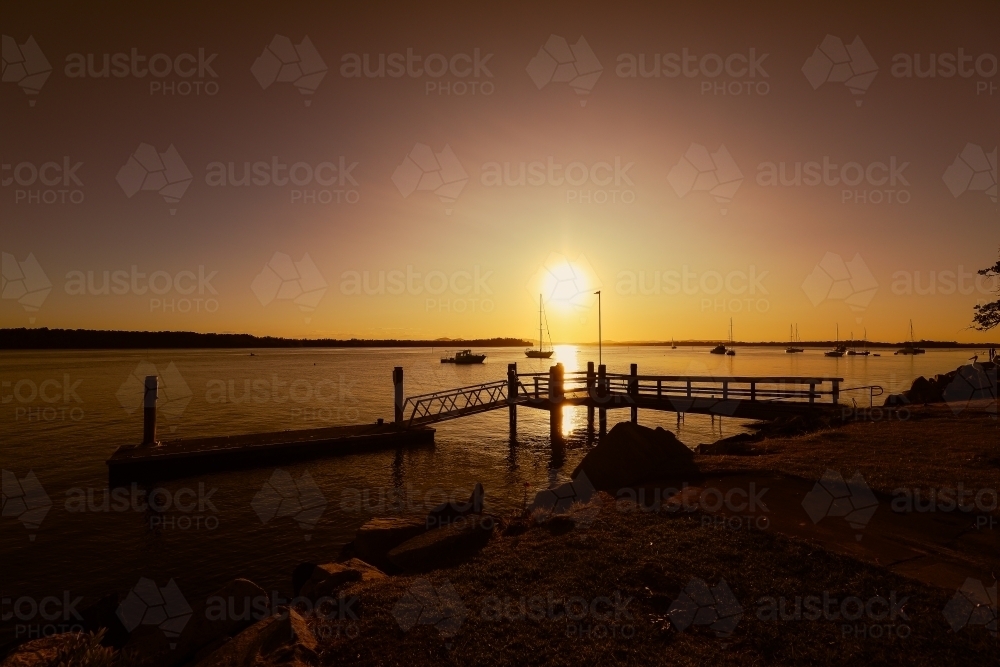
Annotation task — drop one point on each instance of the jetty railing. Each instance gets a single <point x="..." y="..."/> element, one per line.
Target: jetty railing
<point x="458" y="402"/>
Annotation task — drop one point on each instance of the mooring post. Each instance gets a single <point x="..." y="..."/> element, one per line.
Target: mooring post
<point x="812" y="392"/>
<point x="555" y="401"/>
<point x="149" y="411"/>
<point x="836" y="391"/>
<point x="512" y="396"/>
<point x="397" y="385"/>
<point x="602" y="394"/>
<point x="591" y="378"/>
<point x="633" y="391"/>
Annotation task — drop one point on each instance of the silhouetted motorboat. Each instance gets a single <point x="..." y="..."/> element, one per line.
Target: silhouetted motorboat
<point x="718" y="349"/>
<point x="540" y="353"/>
<point x="464" y="357"/>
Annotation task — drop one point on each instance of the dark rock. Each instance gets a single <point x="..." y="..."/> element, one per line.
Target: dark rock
<point x="330" y="579"/>
<point x="446" y="513"/>
<point x="225" y="613"/>
<point x="280" y="639"/>
<point x="103" y="614"/>
<point x="443" y="547"/>
<point x="738" y="445"/>
<point x="631" y="454"/>
<point x="378" y="537"/>
<point x="301" y="574"/>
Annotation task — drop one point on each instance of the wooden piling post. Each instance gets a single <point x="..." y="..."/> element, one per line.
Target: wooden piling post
<point x="602" y="394"/>
<point x="591" y="378"/>
<point x="633" y="390"/>
<point x="836" y="391"/>
<point x="556" y="393"/>
<point x="149" y="410"/>
<point x="397" y="385"/>
<point x="753" y="391"/>
<point x="512" y="396"/>
<point x="812" y="392"/>
<point x="725" y="390"/>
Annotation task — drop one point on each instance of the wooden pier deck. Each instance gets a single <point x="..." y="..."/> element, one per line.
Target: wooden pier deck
<point x="180" y="458"/>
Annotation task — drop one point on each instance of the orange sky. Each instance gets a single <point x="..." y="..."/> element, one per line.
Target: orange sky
<point x="664" y="189"/>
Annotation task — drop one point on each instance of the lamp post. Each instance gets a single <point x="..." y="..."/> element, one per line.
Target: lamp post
<point x="600" y="358"/>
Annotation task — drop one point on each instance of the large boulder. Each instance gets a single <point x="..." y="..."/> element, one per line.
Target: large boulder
<point x="631" y="454"/>
<point x="330" y="579"/>
<point x="223" y="614"/>
<point x="280" y="639"/>
<point x="379" y="536"/>
<point x="443" y="547"/>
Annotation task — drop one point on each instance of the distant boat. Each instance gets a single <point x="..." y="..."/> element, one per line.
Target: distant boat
<point x="838" y="350"/>
<point x="673" y="345"/>
<point x="540" y="353"/>
<point x="793" y="338"/>
<point x="854" y="351"/>
<point x="731" y="352"/>
<point x="910" y="347"/>
<point x="464" y="357"/>
<point x="718" y="349"/>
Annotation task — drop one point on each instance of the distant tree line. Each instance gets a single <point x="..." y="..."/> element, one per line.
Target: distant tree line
<point x="88" y="339"/>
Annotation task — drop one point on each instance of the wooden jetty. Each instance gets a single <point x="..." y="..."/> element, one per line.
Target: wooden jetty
<point x="757" y="397"/>
<point x="155" y="460"/>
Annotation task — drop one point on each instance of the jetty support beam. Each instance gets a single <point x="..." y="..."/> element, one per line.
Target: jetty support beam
<point x="512" y="396"/>
<point x="149" y="410"/>
<point x="397" y="385"/>
<point x="633" y="391"/>
<point x="602" y="397"/>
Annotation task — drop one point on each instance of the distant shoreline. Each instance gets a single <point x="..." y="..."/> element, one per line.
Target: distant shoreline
<point x="90" y="339"/>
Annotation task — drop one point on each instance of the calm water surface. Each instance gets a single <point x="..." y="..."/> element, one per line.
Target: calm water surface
<point x="64" y="413"/>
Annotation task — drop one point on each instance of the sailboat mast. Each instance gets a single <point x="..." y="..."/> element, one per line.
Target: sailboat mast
<point x="539" y="322"/>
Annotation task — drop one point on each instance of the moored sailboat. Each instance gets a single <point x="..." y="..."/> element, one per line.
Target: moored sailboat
<point x="541" y="352"/>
